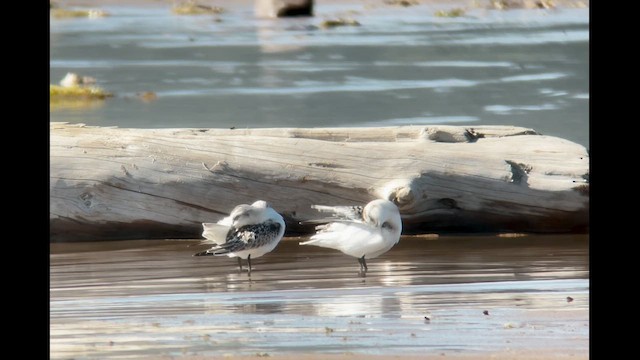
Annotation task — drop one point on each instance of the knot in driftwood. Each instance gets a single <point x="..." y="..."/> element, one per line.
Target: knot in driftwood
<point x="401" y="193"/>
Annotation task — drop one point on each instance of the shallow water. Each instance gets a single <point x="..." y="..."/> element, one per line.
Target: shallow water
<point x="128" y="299"/>
<point x="402" y="66"/>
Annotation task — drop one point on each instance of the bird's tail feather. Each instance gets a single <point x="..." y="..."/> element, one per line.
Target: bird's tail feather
<point x="214" y="233"/>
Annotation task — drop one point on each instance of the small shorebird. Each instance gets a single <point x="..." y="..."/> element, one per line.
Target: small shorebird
<point x="361" y="232"/>
<point x="249" y="232"/>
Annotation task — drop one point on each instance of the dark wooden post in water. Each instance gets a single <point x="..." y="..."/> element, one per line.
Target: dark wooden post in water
<point x="109" y="183"/>
<point x="283" y="8"/>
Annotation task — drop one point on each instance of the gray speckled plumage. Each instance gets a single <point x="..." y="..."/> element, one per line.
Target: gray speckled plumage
<point x="248" y="237"/>
<point x="249" y="232"/>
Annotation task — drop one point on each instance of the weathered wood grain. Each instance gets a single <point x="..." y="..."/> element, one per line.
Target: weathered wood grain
<point x="109" y="183"/>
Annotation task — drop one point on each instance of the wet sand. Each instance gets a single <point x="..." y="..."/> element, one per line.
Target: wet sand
<point x="152" y="299"/>
<point x="506" y="355"/>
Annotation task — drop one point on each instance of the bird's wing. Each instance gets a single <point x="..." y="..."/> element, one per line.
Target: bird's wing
<point x="352" y="238"/>
<point x="248" y="237"/>
<point x="338" y="213"/>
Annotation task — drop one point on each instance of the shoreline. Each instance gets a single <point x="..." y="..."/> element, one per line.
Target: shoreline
<point x="243" y="3"/>
<point x="547" y="354"/>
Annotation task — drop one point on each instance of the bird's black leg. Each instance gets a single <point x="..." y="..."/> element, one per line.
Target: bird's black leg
<point x="240" y="264"/>
<point x="363" y="266"/>
<point x="249" y="262"/>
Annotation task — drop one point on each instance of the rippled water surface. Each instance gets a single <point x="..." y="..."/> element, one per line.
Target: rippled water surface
<point x="401" y="66"/>
<point x="128" y="299"/>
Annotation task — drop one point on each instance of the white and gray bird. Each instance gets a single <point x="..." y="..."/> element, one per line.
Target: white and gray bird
<point x="361" y="232"/>
<point x="249" y="232"/>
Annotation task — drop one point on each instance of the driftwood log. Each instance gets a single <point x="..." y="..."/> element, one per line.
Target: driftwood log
<point x="116" y="183"/>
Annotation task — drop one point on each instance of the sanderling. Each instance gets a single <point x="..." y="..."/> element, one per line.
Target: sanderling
<point x="250" y="231"/>
<point x="362" y="232"/>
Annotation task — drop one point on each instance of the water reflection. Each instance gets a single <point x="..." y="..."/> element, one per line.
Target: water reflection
<point x="281" y="36"/>
<point x="130" y="298"/>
